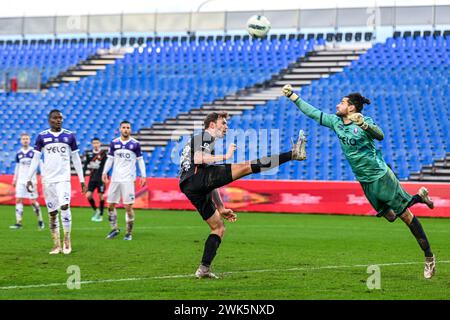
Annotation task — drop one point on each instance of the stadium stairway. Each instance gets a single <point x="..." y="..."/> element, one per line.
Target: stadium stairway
<point x="317" y="64"/>
<point x="87" y="67"/>
<point x="439" y="171"/>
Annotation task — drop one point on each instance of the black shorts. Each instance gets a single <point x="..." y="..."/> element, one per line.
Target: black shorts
<point x="198" y="187"/>
<point x="99" y="185"/>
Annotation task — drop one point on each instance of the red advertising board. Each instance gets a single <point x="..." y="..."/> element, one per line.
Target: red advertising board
<point x="328" y="197"/>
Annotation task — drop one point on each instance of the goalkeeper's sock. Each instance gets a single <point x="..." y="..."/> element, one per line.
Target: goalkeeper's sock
<point x="268" y="163"/>
<point x="19" y="213"/>
<point x="211" y="246"/>
<point x="416" y="228"/>
<point x="92" y="203"/>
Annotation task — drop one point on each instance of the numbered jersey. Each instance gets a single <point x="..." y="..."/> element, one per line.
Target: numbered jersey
<point x="57" y="148"/>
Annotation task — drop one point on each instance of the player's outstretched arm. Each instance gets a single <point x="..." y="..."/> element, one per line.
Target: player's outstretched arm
<point x="324" y="119"/>
<point x="371" y="128"/>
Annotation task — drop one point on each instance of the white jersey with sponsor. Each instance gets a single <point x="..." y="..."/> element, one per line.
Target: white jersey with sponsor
<point x="125" y="154"/>
<point x="57" y="148"/>
<point x="23" y="162"/>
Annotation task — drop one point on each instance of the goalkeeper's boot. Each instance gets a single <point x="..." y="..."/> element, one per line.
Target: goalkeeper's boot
<point x="423" y="193"/>
<point x="299" y="149"/>
<point x="205" y="272"/>
<point x="113" y="233"/>
<point x="128" y="237"/>
<point x="16" y="226"/>
<point x="67" y="248"/>
<point x="430" y="267"/>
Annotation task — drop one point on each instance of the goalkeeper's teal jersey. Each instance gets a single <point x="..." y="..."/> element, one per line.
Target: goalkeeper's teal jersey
<point x="358" y="145"/>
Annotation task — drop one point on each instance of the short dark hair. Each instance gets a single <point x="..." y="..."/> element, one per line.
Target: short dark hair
<point x="213" y="117"/>
<point x="125" y="122"/>
<point x="53" y="111"/>
<point x="357" y="100"/>
<point x="95" y="139"/>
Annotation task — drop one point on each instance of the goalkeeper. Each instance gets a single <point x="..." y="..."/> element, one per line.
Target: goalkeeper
<point x="356" y="134"/>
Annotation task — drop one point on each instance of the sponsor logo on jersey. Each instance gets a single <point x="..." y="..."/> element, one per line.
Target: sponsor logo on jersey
<point x="124" y="155"/>
<point x="355" y="130"/>
<point x="56" y="149"/>
<point x="47" y="139"/>
<point x="117" y="146"/>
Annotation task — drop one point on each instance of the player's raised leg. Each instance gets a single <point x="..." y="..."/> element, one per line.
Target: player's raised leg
<point x="417" y="230"/>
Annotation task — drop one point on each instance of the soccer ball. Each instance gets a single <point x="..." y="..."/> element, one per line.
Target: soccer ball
<point x="258" y="26"/>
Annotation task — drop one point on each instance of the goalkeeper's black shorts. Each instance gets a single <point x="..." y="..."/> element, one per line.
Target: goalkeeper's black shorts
<point x="199" y="186"/>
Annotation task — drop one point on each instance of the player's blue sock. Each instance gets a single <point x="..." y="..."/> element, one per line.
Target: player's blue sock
<point x="268" y="163"/>
<point x="419" y="233"/>
<point x="211" y="245"/>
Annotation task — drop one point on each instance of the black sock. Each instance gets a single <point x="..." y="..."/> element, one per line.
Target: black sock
<point x="415" y="199"/>
<point x="267" y="163"/>
<point x="417" y="231"/>
<point x="92" y="202"/>
<point x="211" y="245"/>
<point x="102" y="206"/>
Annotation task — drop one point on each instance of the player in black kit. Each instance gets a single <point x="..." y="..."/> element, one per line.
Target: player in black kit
<point x="200" y="179"/>
<point x="95" y="161"/>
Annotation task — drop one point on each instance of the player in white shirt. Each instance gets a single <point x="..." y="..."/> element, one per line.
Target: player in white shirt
<point x="58" y="146"/>
<point x="23" y="162"/>
<point x="123" y="153"/>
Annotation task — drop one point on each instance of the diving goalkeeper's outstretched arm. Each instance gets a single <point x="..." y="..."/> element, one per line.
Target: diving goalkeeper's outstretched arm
<point x="324" y="119"/>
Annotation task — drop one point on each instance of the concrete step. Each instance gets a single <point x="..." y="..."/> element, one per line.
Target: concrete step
<point x="102" y="61"/>
<point x="237" y="102"/>
<point x="315" y="70"/>
<point x="327" y="64"/>
<point x="229" y="107"/>
<point x="417" y="177"/>
<point x="309" y="76"/>
<point x="147" y="148"/>
<point x="339" y="52"/>
<point x="83" y="73"/>
<point x="70" y="79"/>
<point x="332" y="58"/>
<point x="293" y="82"/>
<point x="92" y="67"/>
<point x="112" y="56"/>
<point x="206" y="111"/>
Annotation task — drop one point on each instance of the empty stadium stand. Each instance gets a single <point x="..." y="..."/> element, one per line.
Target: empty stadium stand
<point x="169" y="83"/>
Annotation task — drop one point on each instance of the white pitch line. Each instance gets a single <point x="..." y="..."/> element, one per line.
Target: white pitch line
<point x="223" y="273"/>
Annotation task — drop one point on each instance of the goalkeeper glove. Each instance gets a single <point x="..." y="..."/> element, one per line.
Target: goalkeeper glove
<point x="358" y="119"/>
<point x="287" y="91"/>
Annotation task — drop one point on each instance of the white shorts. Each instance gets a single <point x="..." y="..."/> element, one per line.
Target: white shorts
<point x="22" y="192"/>
<point x="118" y="190"/>
<point x="57" y="194"/>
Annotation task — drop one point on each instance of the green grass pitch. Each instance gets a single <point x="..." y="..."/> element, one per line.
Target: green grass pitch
<point x="263" y="256"/>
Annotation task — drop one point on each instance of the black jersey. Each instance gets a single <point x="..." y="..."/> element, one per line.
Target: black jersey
<point x="94" y="162"/>
<point x="200" y="142"/>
